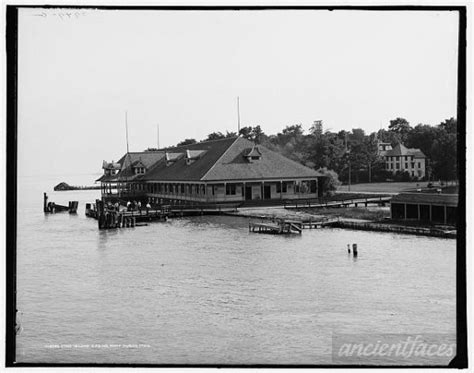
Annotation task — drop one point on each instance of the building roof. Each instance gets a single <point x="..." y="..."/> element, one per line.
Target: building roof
<point x="179" y="170"/>
<point x="147" y="158"/>
<point x="107" y="178"/>
<point x="129" y="161"/>
<point x="233" y="165"/>
<point x="427" y="199"/>
<point x="400" y="149"/>
<point x="110" y="165"/>
<point x="217" y="160"/>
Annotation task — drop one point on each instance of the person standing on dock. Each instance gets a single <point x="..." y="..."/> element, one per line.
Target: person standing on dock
<point x="128" y="205"/>
<point x="148" y="207"/>
<point x="139" y="204"/>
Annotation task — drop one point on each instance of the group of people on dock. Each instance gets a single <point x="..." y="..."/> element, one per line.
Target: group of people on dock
<point x="134" y="206"/>
<point x="131" y="206"/>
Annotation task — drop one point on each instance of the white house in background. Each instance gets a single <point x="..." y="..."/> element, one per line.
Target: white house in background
<point x="401" y="158"/>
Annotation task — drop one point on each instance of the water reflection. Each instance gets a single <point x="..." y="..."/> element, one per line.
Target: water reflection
<point x="104" y="236"/>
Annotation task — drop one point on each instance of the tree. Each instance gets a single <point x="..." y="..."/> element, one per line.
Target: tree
<point x="257" y="134"/>
<point x="253" y="134"/>
<point x="187" y="142"/>
<point x="371" y="155"/>
<point x="215" y="136"/>
<point x="388" y="136"/>
<point x="444" y="153"/>
<point x="450" y="125"/>
<point x="422" y="137"/>
<point x="246" y="132"/>
<point x="357" y="136"/>
<point x="293" y="131"/>
<point x="401" y="128"/>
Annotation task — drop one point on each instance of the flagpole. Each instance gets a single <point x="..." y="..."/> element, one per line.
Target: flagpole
<point x="238" y="114"/>
<point x="126" y="128"/>
<point x="158" y="136"/>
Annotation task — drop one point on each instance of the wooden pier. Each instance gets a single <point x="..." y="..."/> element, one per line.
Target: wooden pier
<point x="283" y="227"/>
<point x="51" y="207"/>
<point x="110" y="217"/>
<point x="404" y="229"/>
<point x="379" y="201"/>
<point x="314" y="224"/>
<point x="286" y="226"/>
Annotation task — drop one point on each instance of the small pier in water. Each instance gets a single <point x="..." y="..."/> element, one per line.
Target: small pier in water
<point x="51" y="207"/>
<point x="286" y="226"/>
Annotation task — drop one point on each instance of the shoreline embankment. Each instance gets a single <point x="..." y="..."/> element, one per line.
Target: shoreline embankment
<point x="348" y="219"/>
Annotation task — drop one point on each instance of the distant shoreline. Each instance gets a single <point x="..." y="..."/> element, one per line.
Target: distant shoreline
<point x="61" y="187"/>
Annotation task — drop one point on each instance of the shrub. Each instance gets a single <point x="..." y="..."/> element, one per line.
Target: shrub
<point x="330" y="182"/>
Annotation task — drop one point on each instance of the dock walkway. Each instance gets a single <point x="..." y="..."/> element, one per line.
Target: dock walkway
<point x="286" y="226"/>
<point x="380" y="201"/>
<point x="109" y="218"/>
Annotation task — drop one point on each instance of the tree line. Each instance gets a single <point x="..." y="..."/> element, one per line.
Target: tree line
<point x="357" y="151"/>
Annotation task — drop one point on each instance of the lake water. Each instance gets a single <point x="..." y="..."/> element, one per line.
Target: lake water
<point x="203" y="290"/>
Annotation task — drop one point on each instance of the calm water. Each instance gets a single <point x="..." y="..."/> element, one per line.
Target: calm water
<point x="204" y="290"/>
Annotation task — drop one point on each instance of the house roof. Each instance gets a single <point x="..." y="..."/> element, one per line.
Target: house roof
<point x="107" y="178"/>
<point x="179" y="170"/>
<point x="233" y="165"/>
<point x="400" y="149"/>
<point x="110" y="165"/>
<point x="138" y="163"/>
<point x="426" y="198"/>
<point x="129" y="161"/>
<point x="147" y="158"/>
<point x="217" y="160"/>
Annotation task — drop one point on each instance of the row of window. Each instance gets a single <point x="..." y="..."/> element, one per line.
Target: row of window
<point x="308" y="186"/>
<point x="396" y="166"/>
<point x="400" y="157"/>
<point x="169" y="188"/>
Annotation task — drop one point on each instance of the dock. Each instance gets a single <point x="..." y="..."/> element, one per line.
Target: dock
<point x="314" y="223"/>
<point x="287" y="226"/>
<point x="51" y="207"/>
<point x="393" y="228"/>
<point x="111" y="217"/>
<point x="355" y="202"/>
<point x="283" y="227"/>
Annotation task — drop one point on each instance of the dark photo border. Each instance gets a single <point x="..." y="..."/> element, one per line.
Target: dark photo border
<point x="460" y="361"/>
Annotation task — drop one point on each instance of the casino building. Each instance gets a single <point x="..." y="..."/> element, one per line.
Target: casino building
<point x="230" y="170"/>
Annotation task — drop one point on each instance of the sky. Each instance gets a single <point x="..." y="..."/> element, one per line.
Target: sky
<point x="80" y="71"/>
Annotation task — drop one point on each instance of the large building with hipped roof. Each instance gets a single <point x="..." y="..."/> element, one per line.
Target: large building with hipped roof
<point x="230" y="170"/>
<point x="401" y="158"/>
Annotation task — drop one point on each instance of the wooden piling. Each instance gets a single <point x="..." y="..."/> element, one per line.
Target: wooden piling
<point x="354" y="249"/>
<point x="45" y="202"/>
